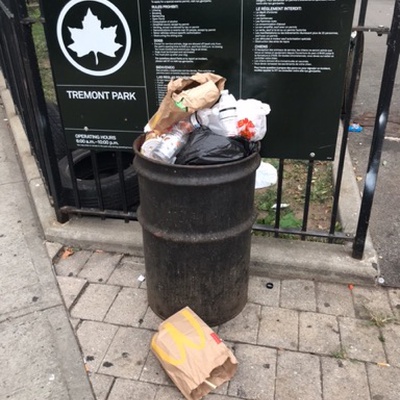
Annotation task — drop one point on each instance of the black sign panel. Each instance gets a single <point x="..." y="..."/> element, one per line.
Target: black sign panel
<point x="294" y="56"/>
<point x="113" y="59"/>
<point x="95" y="50"/>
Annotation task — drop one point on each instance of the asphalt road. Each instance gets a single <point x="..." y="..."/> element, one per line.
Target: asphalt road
<point x="385" y="218"/>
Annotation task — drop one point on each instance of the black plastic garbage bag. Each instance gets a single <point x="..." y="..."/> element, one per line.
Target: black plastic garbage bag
<point x="206" y="148"/>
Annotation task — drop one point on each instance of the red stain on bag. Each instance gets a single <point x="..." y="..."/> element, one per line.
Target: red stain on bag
<point x="216" y="337"/>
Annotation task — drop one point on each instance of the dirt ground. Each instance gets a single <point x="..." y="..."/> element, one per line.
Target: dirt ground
<point x="293" y="195"/>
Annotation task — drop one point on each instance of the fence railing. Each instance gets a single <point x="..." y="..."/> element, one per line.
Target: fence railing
<point x="104" y="183"/>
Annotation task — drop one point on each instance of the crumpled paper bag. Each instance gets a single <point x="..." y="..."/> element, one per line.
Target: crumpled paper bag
<point x="192" y="354"/>
<point x="184" y="97"/>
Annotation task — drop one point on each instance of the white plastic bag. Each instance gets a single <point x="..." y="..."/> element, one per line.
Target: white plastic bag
<point x="209" y="117"/>
<point x="252" y="118"/>
<point x="266" y="175"/>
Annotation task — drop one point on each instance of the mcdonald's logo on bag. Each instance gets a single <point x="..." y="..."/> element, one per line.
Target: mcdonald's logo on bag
<point x="192" y="354"/>
<point x="180" y="340"/>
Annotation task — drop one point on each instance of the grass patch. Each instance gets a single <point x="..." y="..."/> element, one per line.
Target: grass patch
<point x="293" y="197"/>
<point x="340" y="354"/>
<point x="42" y="54"/>
<point x="381" y="319"/>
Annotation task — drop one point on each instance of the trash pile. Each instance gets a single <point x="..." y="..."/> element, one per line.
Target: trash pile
<point x="200" y="123"/>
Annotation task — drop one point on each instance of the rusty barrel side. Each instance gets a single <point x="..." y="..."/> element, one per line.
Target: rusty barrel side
<point x="196" y="223"/>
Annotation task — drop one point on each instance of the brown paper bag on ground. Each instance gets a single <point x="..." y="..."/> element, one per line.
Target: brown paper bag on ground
<point x="201" y="90"/>
<point x="192" y="354"/>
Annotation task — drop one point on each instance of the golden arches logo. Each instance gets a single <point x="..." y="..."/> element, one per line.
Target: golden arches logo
<point x="180" y="340"/>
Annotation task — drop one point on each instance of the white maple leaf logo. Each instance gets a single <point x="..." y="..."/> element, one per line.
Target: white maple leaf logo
<point x="93" y="38"/>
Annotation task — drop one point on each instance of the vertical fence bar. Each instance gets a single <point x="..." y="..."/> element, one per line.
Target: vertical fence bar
<point x="279" y="196"/>
<point x="122" y="183"/>
<point x="74" y="184"/>
<point x="385" y="97"/>
<point x="307" y="197"/>
<point x="347" y="118"/>
<point x="96" y="177"/>
<point x="363" y="12"/>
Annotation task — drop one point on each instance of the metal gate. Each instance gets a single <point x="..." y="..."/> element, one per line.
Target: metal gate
<point x="104" y="184"/>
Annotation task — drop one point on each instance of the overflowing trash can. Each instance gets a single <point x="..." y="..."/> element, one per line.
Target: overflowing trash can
<point x="196" y="165"/>
<point x="196" y="222"/>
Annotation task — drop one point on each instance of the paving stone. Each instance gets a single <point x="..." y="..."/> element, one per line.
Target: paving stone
<point x="124" y="389"/>
<point x="371" y="300"/>
<point x="334" y="299"/>
<point x="127" y="274"/>
<point x="384" y="382"/>
<point x="279" y="327"/>
<point x="153" y="372"/>
<point x="151" y="320"/>
<point x="173" y="393"/>
<point x="298" y="295"/>
<point x="74" y="323"/>
<point x="70" y="288"/>
<point x="128" y="308"/>
<point x="94" y="339"/>
<point x="72" y="265"/>
<point x="260" y="294"/>
<point x="298" y="376"/>
<point x="344" y="380"/>
<point x="99" y="266"/>
<point x="222" y="389"/>
<point x="244" y="327"/>
<point x="101" y="385"/>
<point x="255" y="377"/>
<point x="319" y="333"/>
<point x="169" y="393"/>
<point x="394" y="297"/>
<point x="391" y="335"/>
<point x="133" y="259"/>
<point x="360" y="340"/>
<point x="127" y="354"/>
<point x="213" y="396"/>
<point x="95" y="302"/>
<point x="53" y="249"/>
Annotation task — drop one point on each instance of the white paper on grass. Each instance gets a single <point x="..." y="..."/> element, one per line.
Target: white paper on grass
<point x="266" y="175"/>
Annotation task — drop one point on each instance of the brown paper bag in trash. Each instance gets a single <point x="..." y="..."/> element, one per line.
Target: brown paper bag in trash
<point x="201" y="90"/>
<point x="192" y="354"/>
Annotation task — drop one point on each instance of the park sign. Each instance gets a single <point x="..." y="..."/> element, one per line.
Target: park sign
<point x="112" y="61"/>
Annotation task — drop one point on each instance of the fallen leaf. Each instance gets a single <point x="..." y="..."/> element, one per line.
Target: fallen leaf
<point x="67" y="253"/>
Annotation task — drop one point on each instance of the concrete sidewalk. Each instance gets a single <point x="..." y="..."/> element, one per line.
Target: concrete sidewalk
<point x="305" y="338"/>
<point x="299" y="339"/>
<point x="39" y="354"/>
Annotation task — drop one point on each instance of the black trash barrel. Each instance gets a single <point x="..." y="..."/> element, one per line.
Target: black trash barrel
<point x="196" y="223"/>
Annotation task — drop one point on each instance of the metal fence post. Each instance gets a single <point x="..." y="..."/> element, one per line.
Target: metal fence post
<point x="385" y="96"/>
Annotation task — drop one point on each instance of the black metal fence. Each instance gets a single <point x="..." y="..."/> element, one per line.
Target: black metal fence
<point x="104" y="183"/>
